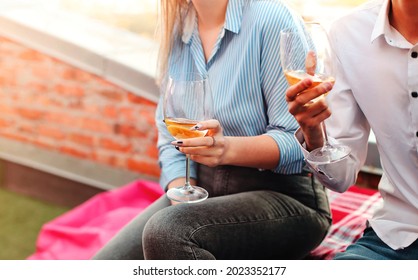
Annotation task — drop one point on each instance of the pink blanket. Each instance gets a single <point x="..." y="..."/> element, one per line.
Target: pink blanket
<point x="79" y="233"/>
<point x="350" y="211"/>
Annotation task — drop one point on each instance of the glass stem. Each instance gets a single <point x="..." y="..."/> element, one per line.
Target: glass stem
<point x="325" y="136"/>
<point x="187" y="183"/>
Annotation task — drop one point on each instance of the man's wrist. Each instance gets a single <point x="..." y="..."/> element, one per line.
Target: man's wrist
<point x="313" y="139"/>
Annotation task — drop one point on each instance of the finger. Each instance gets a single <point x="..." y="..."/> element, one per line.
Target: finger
<point x="310" y="63"/>
<point x="205" y="160"/>
<point x="209" y="124"/>
<point x="307" y="104"/>
<point x="295" y="90"/>
<point x="198" y="151"/>
<point x="307" y="96"/>
<point x="316" y="120"/>
<point x="317" y="107"/>
<point x="319" y="90"/>
<point x="313" y="115"/>
<point x="194" y="142"/>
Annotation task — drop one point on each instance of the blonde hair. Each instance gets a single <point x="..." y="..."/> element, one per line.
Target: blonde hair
<point x="171" y="22"/>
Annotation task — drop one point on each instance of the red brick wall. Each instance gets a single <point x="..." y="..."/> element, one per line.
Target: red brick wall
<point x="51" y="104"/>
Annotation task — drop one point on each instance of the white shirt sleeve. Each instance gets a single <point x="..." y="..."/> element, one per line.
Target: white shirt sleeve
<point x="347" y="126"/>
<point x="337" y="176"/>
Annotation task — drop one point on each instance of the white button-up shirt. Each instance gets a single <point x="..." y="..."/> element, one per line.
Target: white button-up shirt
<point x="376" y="88"/>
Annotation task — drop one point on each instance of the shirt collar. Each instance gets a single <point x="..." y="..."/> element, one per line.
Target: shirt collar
<point x="233" y="19"/>
<point x="234" y="16"/>
<point x="383" y="27"/>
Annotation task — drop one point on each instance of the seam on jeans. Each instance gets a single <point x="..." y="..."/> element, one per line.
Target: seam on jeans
<point x="194" y="253"/>
<point x="328" y="216"/>
<point x="314" y="191"/>
<point x="226" y="184"/>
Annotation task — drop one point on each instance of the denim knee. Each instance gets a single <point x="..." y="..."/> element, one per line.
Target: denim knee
<point x="167" y="234"/>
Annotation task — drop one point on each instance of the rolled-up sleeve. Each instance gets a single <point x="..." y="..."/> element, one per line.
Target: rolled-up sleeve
<point x="282" y="125"/>
<point x="291" y="156"/>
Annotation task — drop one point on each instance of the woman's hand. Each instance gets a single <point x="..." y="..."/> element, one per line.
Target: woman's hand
<point x="209" y="150"/>
<point x="309" y="113"/>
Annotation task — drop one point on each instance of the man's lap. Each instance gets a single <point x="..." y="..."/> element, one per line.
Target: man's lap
<point x="371" y="247"/>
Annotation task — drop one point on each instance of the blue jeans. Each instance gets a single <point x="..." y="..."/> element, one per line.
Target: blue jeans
<point x="370" y="247"/>
<point x="250" y="214"/>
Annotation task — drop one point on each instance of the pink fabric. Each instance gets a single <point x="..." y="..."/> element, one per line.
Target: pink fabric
<point x="350" y="212"/>
<point x="79" y="233"/>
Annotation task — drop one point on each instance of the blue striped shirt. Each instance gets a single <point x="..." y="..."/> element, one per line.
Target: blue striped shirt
<point x="246" y="78"/>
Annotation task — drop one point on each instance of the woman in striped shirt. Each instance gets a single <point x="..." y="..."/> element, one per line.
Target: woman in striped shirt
<point x="263" y="203"/>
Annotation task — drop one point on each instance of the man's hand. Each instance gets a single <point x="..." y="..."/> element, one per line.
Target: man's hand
<point x="307" y="112"/>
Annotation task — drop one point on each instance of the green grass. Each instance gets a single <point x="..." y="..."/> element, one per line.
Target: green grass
<point x="21" y="219"/>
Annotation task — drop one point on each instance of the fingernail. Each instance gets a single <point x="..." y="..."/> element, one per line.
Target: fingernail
<point x="196" y="127"/>
<point x="179" y="142"/>
<point x="308" y="82"/>
<point x="178" y="149"/>
<point x="328" y="86"/>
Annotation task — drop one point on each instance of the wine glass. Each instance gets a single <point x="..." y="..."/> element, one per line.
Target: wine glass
<point x="187" y="100"/>
<point x="305" y="52"/>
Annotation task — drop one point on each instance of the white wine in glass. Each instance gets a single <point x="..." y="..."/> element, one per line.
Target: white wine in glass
<point x="187" y="101"/>
<point x="305" y="52"/>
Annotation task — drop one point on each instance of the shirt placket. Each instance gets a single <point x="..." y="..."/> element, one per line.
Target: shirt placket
<point x="198" y="55"/>
<point x="216" y="48"/>
<point x="196" y="49"/>
<point x="413" y="90"/>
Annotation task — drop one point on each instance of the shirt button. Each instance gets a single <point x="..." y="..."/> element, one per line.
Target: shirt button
<point x="414" y="94"/>
<point x="414" y="54"/>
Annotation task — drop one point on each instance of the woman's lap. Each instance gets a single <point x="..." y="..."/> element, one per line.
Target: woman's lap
<point x="249" y="225"/>
<point x="249" y="215"/>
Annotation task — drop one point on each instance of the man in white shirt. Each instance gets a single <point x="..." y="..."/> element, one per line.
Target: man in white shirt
<point x="376" y="88"/>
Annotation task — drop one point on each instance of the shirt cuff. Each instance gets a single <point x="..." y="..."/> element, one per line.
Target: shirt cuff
<point x="333" y="176"/>
<point x="301" y="140"/>
<point x="291" y="158"/>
